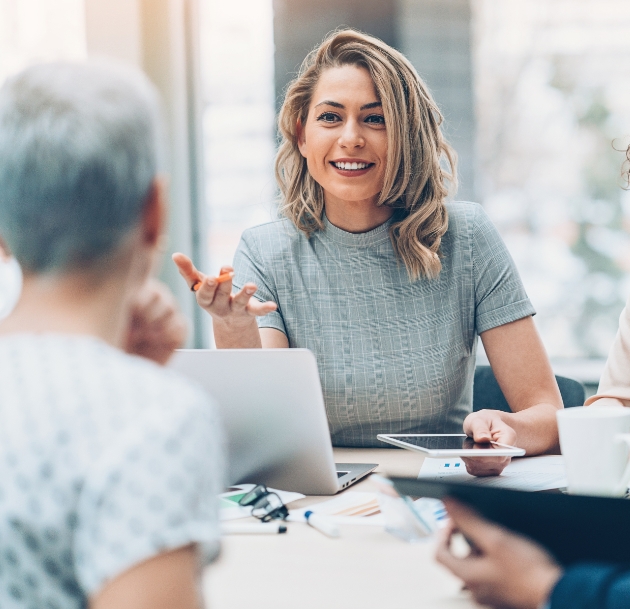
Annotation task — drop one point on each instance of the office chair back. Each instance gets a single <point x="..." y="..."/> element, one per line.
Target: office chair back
<point x="488" y="394"/>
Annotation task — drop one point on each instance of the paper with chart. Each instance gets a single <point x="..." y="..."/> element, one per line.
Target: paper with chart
<point x="525" y="473"/>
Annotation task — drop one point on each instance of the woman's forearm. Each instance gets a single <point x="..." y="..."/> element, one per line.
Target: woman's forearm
<point x="239" y="336"/>
<point x="536" y="428"/>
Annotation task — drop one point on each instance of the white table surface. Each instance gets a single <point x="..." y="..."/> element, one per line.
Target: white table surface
<point x="365" y="568"/>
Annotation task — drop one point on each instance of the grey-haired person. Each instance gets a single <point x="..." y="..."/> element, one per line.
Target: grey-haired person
<point x="109" y="463"/>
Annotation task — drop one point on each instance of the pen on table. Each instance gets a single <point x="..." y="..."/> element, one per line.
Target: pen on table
<point x="253" y="528"/>
<point x="220" y="279"/>
<point x="322" y="524"/>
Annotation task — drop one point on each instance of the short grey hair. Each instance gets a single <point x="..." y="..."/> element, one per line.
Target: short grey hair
<point x="80" y="146"/>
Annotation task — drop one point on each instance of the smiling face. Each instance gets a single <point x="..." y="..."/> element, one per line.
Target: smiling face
<point x="344" y="139"/>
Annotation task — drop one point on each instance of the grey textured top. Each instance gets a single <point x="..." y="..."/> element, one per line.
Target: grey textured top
<point x="105" y="461"/>
<point x="394" y="356"/>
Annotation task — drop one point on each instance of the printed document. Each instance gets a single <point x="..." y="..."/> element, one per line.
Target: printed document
<point x="523" y="473"/>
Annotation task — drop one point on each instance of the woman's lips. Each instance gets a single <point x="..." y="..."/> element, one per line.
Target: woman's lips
<point x="352" y="173"/>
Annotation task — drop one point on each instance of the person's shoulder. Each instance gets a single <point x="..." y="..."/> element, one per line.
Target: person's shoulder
<point x="462" y="219"/>
<point x="144" y="383"/>
<point x="281" y="229"/>
<point x="462" y="213"/>
<point x="467" y="218"/>
<point x="127" y="384"/>
<point x="273" y="240"/>
<point x="167" y="403"/>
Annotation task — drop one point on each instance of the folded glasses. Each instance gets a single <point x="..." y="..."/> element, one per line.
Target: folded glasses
<point x="266" y="505"/>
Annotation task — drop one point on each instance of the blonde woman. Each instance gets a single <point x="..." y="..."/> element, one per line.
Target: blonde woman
<point x="371" y="269"/>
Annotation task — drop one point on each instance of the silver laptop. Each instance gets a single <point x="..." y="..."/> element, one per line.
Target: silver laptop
<point x="273" y="411"/>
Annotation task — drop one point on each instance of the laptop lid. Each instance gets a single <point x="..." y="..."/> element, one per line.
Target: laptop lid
<point x="272" y="407"/>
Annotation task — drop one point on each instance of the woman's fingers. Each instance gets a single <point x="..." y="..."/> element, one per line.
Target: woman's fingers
<point x="215" y="293"/>
<point x="222" y="284"/>
<point x="478" y="428"/>
<point x="210" y="292"/>
<point x="244" y="302"/>
<point x="187" y="269"/>
<point x="260" y="309"/>
<point x="241" y="299"/>
<point x="485" y="466"/>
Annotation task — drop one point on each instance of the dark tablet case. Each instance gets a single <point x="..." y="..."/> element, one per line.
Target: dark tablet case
<point x="573" y="528"/>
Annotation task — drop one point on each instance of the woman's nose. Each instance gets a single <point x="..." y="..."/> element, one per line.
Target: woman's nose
<point x="351" y="136"/>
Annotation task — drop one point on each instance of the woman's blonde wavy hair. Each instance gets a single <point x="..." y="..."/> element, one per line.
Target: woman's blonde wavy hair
<point x="421" y="166"/>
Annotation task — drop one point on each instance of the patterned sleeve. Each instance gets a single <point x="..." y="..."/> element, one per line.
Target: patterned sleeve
<point x="249" y="266"/>
<point x="154" y="490"/>
<point x="499" y="293"/>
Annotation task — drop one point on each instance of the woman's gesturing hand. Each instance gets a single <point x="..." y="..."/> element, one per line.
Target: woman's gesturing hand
<point x="214" y="294"/>
<point x="503" y="569"/>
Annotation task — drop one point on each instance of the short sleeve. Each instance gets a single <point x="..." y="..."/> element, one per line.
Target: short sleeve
<point x="500" y="297"/>
<point x="154" y="490"/>
<point x="249" y="267"/>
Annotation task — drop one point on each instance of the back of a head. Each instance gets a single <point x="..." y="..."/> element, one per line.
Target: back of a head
<point x="79" y="150"/>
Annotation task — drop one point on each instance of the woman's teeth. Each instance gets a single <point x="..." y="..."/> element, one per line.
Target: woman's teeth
<point x="351" y="166"/>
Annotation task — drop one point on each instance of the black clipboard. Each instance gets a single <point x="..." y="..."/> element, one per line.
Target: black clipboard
<point x="573" y="528"/>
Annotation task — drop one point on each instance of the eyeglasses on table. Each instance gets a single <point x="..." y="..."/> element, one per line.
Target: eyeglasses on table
<point x="266" y="505"/>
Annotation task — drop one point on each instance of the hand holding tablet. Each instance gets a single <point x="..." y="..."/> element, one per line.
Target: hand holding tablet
<point x="450" y="445"/>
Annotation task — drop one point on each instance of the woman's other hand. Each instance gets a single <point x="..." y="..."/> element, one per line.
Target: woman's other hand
<point x="503" y="569"/>
<point x="157" y="327"/>
<point x="488" y="426"/>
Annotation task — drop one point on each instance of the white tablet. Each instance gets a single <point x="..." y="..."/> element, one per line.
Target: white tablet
<point x="450" y="445"/>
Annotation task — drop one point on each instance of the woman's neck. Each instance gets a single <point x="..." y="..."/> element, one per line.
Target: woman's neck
<point x="76" y="303"/>
<point x="356" y="216"/>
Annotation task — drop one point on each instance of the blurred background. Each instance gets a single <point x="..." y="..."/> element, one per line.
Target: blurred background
<point x="535" y="94"/>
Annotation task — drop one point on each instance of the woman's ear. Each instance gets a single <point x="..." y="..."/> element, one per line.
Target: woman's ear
<point x="301" y="140"/>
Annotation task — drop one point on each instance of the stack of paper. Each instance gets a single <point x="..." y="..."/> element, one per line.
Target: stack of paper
<point x="525" y="473"/>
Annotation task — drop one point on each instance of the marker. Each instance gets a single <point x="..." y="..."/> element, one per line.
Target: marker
<point x="220" y="279"/>
<point x="253" y="528"/>
<point x="322" y="524"/>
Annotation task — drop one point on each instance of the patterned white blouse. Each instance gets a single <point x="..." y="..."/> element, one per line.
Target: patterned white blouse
<point x="105" y="461"/>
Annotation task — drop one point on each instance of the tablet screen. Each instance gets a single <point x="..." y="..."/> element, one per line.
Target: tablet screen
<point x="455" y="442"/>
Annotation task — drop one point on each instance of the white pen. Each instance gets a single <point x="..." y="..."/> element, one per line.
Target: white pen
<point x="322" y="524"/>
<point x="253" y="528"/>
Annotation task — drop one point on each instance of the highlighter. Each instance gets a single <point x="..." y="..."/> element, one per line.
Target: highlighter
<point x="220" y="279"/>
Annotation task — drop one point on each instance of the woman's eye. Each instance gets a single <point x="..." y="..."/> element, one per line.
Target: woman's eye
<point x="328" y="117"/>
<point x="375" y="119"/>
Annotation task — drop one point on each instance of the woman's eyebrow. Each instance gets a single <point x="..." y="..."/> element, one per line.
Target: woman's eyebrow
<point x="327" y="102"/>
<point x="335" y="104"/>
